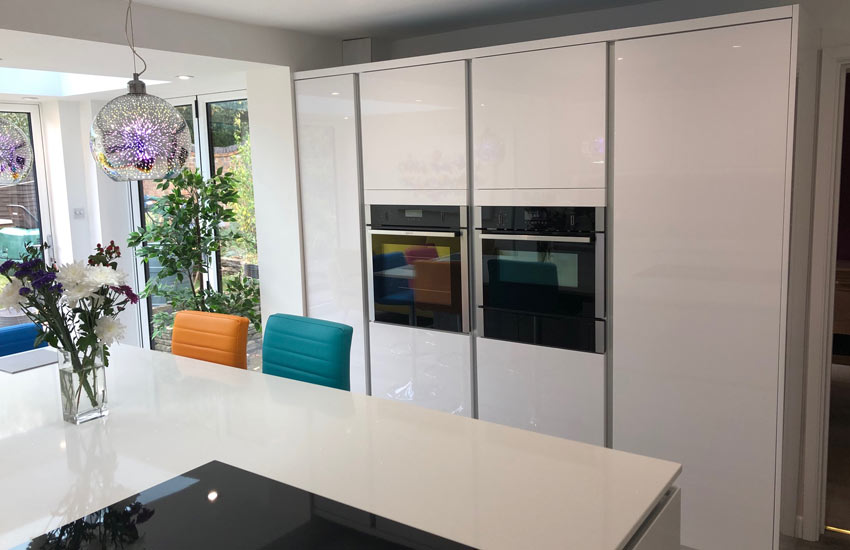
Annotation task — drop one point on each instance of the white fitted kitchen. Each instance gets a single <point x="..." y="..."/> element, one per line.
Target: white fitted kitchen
<point x="586" y="237"/>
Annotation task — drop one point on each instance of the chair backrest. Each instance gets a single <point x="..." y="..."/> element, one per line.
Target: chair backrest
<point x="212" y="337"/>
<point x="380" y="262"/>
<point x="427" y="252"/>
<point x="432" y="283"/>
<point x="309" y="350"/>
<point x="18" y="338"/>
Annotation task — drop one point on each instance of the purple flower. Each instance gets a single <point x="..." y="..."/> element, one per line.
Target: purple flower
<point x="24" y="291"/>
<point x="127" y="291"/>
<point x="44" y="278"/>
<point x="57" y="287"/>
<point x="7" y="266"/>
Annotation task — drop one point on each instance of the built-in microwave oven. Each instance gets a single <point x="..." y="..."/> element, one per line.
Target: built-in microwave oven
<point x="418" y="275"/>
<point x="540" y="275"/>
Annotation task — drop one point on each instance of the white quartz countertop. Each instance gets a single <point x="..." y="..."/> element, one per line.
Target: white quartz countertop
<point x="477" y="483"/>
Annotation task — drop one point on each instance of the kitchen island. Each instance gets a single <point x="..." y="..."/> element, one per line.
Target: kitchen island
<point x="469" y="481"/>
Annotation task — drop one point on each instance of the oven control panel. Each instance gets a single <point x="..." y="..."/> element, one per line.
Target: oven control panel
<point x="543" y="219"/>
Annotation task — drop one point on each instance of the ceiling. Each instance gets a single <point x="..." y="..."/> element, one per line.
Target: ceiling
<point x="381" y="18"/>
<point x="53" y="66"/>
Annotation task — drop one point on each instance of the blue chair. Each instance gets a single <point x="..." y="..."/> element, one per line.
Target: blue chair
<point x="18" y="338"/>
<point x="309" y="350"/>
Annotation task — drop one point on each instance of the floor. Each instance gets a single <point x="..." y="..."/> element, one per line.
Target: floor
<point x="829" y="541"/>
<point x="838" y="469"/>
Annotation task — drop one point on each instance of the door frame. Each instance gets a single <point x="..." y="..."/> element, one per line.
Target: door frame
<point x="835" y="65"/>
<point x="45" y="212"/>
<point x="205" y="154"/>
<point x="137" y="218"/>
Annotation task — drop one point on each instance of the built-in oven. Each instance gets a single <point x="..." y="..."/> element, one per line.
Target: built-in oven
<point x="540" y="275"/>
<point x="419" y="274"/>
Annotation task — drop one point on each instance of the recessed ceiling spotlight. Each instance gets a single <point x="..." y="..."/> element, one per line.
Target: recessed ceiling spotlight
<point x="212" y="495"/>
<point x="30" y="98"/>
<point x="736" y="46"/>
<point x="185" y="76"/>
<point x="619" y="59"/>
<point x="334" y="93"/>
<point x="418" y="101"/>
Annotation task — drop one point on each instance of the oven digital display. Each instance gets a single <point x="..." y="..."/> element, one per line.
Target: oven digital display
<point x="411" y="213"/>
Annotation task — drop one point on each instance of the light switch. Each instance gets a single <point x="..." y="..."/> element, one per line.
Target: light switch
<point x="79" y="213"/>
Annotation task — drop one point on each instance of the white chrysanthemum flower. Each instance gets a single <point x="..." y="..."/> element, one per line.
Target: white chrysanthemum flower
<point x="10" y="295"/>
<point x="99" y="276"/>
<point x="109" y="330"/>
<point x="75" y="282"/>
<point x="73" y="274"/>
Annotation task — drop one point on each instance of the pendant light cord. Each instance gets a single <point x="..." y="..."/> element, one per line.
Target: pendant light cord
<point x="131" y="40"/>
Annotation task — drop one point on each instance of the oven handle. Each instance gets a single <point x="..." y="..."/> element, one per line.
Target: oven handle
<point x="542" y="238"/>
<point x="415" y="233"/>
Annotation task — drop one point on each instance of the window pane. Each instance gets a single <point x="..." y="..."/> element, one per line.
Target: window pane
<point x="150" y="194"/>
<point x="20" y="218"/>
<point x="230" y="150"/>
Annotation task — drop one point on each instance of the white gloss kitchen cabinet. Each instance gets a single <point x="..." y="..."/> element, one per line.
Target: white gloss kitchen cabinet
<point x="330" y="209"/>
<point x="429" y="368"/>
<point x="699" y="233"/>
<point x="539" y="119"/>
<point x="548" y="390"/>
<point x="414" y="130"/>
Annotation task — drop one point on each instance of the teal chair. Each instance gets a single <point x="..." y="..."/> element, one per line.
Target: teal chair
<point x="309" y="350"/>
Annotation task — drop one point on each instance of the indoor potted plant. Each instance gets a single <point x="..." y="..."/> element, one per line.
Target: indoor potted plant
<point x="183" y="234"/>
<point x="75" y="306"/>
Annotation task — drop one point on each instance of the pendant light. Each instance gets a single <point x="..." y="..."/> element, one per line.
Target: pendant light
<point x="138" y="136"/>
<point x="15" y="154"/>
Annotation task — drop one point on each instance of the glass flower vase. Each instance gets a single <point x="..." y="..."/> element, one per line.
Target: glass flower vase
<point x="82" y="381"/>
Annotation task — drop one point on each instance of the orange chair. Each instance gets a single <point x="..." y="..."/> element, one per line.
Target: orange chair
<point x="212" y="337"/>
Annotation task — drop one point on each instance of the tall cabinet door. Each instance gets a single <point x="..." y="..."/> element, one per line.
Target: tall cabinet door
<point x="414" y="127"/>
<point x="539" y="119"/>
<point x="699" y="214"/>
<point x="330" y="209"/>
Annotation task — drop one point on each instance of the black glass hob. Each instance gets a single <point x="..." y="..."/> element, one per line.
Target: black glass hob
<point x="218" y="506"/>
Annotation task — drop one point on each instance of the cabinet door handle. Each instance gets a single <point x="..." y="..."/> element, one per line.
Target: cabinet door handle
<point x="543" y="238"/>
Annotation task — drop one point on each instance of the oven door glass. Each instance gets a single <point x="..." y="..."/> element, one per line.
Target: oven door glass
<point x="418" y="279"/>
<point x="542" y="290"/>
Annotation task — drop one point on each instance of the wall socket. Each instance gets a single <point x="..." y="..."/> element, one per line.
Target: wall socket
<point x="79" y="213"/>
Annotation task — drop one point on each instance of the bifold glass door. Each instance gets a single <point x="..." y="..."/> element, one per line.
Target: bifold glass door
<point x="24" y="209"/>
<point x="221" y="140"/>
<point x="418" y="278"/>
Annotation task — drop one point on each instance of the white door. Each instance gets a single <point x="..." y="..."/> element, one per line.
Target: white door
<point x="25" y="205"/>
<point x="414" y="127"/>
<point x="699" y="202"/>
<point x="331" y="220"/>
<point x="539" y="119"/>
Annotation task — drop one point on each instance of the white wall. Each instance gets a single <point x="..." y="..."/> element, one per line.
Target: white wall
<point x="75" y="182"/>
<point x="276" y="200"/>
<point x="66" y="179"/>
<point x="169" y="30"/>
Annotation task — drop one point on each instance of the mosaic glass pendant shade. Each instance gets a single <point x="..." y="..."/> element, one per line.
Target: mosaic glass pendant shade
<point x="139" y="137"/>
<point x="15" y="153"/>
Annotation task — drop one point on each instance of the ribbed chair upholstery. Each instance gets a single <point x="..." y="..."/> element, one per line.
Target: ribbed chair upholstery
<point x="212" y="337"/>
<point x="309" y="350"/>
<point x="18" y="338"/>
